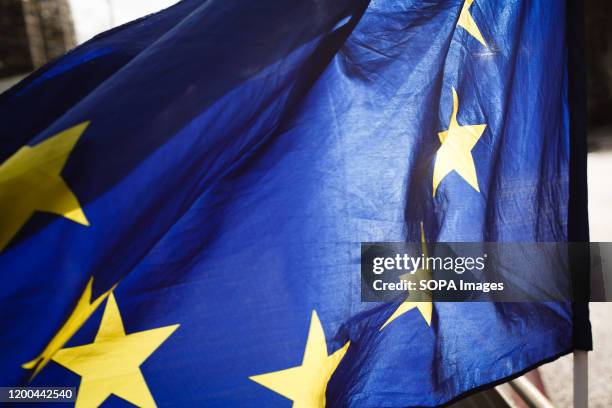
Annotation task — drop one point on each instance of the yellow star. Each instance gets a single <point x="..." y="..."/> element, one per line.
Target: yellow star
<point x="423" y="304"/>
<point x="467" y="22"/>
<point x="84" y="308"/>
<point x="111" y="364"/>
<point x="424" y="307"/>
<point x="456" y="150"/>
<point x="30" y="181"/>
<point x="305" y="385"/>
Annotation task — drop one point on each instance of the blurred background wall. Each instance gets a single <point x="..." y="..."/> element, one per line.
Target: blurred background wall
<point x="33" y="32"/>
<point x="599" y="61"/>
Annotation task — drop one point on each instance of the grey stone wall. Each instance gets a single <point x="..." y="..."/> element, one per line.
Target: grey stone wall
<point x="33" y="32"/>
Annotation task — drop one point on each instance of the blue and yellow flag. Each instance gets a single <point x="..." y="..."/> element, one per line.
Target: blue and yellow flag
<point x="183" y="198"/>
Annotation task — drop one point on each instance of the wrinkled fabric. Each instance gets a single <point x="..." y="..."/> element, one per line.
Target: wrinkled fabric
<point x="237" y="155"/>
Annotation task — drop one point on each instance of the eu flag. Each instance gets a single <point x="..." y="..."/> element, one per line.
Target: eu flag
<point x="183" y="198"/>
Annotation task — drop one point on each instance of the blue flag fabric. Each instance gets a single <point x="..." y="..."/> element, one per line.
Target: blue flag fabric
<point x="183" y="198"/>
